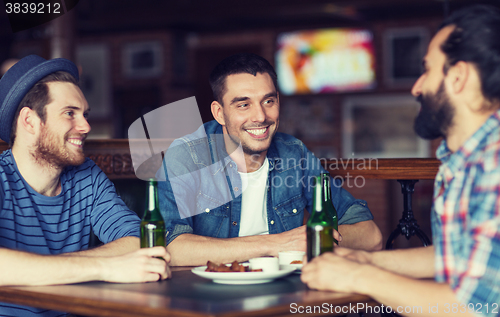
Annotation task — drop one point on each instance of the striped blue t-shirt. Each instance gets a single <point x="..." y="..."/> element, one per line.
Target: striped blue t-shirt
<point x="36" y="223"/>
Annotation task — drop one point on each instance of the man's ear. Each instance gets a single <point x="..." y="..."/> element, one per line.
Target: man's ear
<point x="28" y="120"/>
<point x="218" y="112"/>
<point x="459" y="75"/>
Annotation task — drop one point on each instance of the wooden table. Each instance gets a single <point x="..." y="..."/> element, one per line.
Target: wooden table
<point x="185" y="295"/>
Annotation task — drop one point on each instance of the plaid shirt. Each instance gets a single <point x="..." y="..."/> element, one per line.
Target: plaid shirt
<point x="466" y="219"/>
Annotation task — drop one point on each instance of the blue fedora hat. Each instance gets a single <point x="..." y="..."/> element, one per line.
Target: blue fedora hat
<point x="19" y="79"/>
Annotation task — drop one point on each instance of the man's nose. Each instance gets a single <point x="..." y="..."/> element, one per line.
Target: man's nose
<point x="416" y="90"/>
<point x="258" y="114"/>
<point x="83" y="126"/>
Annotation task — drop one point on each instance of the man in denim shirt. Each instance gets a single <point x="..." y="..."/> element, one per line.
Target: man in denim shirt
<point x="236" y="189"/>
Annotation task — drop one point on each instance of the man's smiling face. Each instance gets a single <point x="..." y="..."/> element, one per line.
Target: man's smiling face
<point x="61" y="136"/>
<point x="250" y="111"/>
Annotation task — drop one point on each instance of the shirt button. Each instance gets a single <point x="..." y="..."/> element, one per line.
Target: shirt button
<point x="207" y="210"/>
<point x="236" y="189"/>
<point x="294" y="211"/>
<point x="234" y="223"/>
<point x="272" y="222"/>
<point x="230" y="165"/>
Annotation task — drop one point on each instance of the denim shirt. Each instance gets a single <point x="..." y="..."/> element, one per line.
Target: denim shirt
<point x="201" y="191"/>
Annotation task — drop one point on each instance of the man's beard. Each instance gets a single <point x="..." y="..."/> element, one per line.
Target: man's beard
<point x="436" y="115"/>
<point x="49" y="151"/>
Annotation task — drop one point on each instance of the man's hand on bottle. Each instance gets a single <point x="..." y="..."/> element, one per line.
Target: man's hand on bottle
<point x="294" y="240"/>
<point x="337" y="236"/>
<point x="291" y="240"/>
<point x="143" y="265"/>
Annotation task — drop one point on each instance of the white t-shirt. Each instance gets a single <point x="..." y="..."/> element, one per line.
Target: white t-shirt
<point x="254" y="202"/>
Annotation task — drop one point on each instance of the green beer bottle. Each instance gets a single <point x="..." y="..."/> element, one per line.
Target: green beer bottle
<point x="319" y="227"/>
<point x="152" y="223"/>
<point x="327" y="201"/>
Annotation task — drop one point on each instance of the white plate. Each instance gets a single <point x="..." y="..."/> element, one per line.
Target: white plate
<point x="241" y="277"/>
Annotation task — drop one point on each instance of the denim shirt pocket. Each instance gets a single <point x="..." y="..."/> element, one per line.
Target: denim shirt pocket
<point x="291" y="212"/>
<point x="211" y="216"/>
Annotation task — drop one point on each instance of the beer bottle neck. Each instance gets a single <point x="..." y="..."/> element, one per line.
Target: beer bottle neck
<point x="318" y="197"/>
<point x="325" y="179"/>
<point x="152" y="196"/>
<point x="152" y="204"/>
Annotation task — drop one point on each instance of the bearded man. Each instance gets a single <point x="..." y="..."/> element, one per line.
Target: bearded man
<point x="51" y="196"/>
<point x="460" y="96"/>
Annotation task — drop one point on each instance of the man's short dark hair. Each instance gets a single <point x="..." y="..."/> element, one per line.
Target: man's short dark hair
<point x="38" y="97"/>
<point x="239" y="64"/>
<point x="475" y="39"/>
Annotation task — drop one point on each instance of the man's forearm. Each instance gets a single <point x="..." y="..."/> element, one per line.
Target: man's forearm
<point x="409" y="296"/>
<point x="339" y="271"/>
<point x="415" y="262"/>
<point x="191" y="249"/>
<point x="117" y="247"/>
<point x="22" y="268"/>
<point x="363" y="235"/>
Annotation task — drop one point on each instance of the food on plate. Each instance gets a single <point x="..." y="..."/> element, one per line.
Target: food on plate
<point x="296" y="262"/>
<point x="234" y="267"/>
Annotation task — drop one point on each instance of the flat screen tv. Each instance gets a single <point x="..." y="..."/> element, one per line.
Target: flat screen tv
<point x="325" y="61"/>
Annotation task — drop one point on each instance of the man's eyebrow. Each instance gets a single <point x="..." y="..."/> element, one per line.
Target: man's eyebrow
<point x="72" y="108"/>
<point x="268" y="95"/>
<point x="76" y="108"/>
<point x="271" y="94"/>
<point x="238" y="99"/>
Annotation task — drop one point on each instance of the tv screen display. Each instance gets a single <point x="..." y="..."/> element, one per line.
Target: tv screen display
<point x="325" y="61"/>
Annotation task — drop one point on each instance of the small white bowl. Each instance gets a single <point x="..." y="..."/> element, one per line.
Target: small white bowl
<point x="267" y="264"/>
<point x="287" y="257"/>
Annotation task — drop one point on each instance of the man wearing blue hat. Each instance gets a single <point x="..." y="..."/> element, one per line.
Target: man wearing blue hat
<point x="51" y="196"/>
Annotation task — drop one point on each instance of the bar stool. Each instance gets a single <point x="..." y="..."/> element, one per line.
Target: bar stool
<point x="407" y="226"/>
